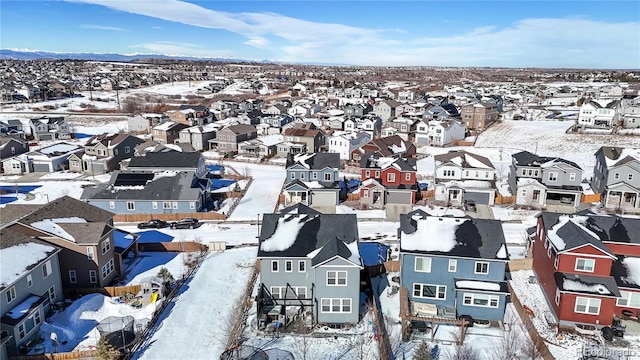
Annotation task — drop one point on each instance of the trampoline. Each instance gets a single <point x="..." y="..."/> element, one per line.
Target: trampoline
<point x="246" y="352"/>
<point x="118" y="331"/>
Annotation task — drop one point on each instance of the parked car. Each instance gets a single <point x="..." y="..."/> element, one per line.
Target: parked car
<point x="470" y="205"/>
<point x="153" y="224"/>
<point x="186" y="223"/>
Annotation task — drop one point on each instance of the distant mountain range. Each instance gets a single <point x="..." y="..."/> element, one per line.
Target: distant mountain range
<point x="6" y="54"/>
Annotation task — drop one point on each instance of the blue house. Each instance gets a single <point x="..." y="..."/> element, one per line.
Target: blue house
<point x="313" y="180"/>
<point x="453" y="266"/>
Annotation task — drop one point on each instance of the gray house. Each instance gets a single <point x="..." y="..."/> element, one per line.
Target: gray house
<point x="228" y="138"/>
<point x="30" y="284"/>
<point x="148" y="192"/>
<point x="11" y="146"/>
<point x="313" y="180"/>
<point x="198" y="136"/>
<point x="143" y="123"/>
<point x="310" y="265"/>
<point x="103" y="153"/>
<point x="453" y="266"/>
<point x="48" y="159"/>
<point x="616" y="176"/>
<point x="170" y="160"/>
<point x="50" y="128"/>
<point x="538" y="180"/>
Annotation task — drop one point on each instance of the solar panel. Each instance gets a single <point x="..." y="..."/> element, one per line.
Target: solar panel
<point x="133" y="179"/>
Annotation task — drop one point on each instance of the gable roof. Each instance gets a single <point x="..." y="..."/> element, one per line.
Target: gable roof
<point x="525" y="158"/>
<point x="586" y="284"/>
<point x="169" y="159"/>
<point x="241" y="128"/>
<point x="600" y="228"/>
<point x="615" y="156"/>
<point x="335" y="247"/>
<point x="463" y="159"/>
<point x="314" y="161"/>
<point x="20" y="253"/>
<point x="66" y="207"/>
<point x="454" y="236"/>
<point x="162" y="186"/>
<point x="377" y="161"/>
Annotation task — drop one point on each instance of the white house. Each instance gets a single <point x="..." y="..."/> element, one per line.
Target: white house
<point x="344" y="143"/>
<point x="597" y="113"/>
<point x="460" y="176"/>
<point x="439" y="132"/>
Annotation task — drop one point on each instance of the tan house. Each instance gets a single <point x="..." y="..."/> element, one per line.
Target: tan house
<point x="313" y="139"/>
<point x="168" y="132"/>
<point x="477" y="116"/>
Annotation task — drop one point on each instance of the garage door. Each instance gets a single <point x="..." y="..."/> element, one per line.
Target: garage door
<point x="41" y="168"/>
<point x="478" y="197"/>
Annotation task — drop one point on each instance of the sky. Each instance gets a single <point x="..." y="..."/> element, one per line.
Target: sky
<point x="572" y="34"/>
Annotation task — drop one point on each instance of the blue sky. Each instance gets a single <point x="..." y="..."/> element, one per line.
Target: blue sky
<point x="574" y="34"/>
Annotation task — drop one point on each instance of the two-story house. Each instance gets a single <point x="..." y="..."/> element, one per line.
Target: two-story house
<point x="313" y="180"/>
<point x="273" y="124"/>
<point x="199" y="136"/>
<point x="191" y="115"/>
<point x="167" y="132"/>
<point x="30" y="283"/>
<point x="264" y="146"/>
<point x="103" y="153"/>
<point x="311" y="261"/>
<point x="397" y="176"/>
<point x="227" y="139"/>
<point x="11" y="146"/>
<point x="386" y="109"/>
<point x="587" y="266"/>
<point x="476" y="116"/>
<point x="616" y="176"/>
<point x="598" y="113"/>
<point x="313" y="138"/>
<point x="453" y="266"/>
<point x="144" y="123"/>
<point x="441" y="132"/>
<point x="357" y="110"/>
<point x="537" y="180"/>
<point x="47" y="159"/>
<point x="461" y="175"/>
<point x="388" y="146"/>
<point x="50" y="128"/>
<point x="344" y="143"/>
<point x="13" y="127"/>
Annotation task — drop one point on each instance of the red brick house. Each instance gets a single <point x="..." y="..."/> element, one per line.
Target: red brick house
<point x="588" y="266"/>
<point x="396" y="174"/>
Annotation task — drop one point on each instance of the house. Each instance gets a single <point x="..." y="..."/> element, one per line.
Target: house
<point x="167" y="132"/>
<point x="344" y="143"/>
<point x="265" y="146"/>
<point x="191" y="115"/>
<point x="103" y="153"/>
<point x="388" y="146"/>
<point x="357" y="110"/>
<point x="616" y="176"/>
<point x="439" y="132"/>
<point x="313" y="139"/>
<point x="227" y="139"/>
<point x="386" y="109"/>
<point x="149" y="192"/>
<point x="309" y="260"/>
<point x="48" y="159"/>
<point x="273" y="124"/>
<point x="313" y="180"/>
<point x="477" y="116"/>
<point x="288" y="147"/>
<point x="405" y="126"/>
<point x="537" y="180"/>
<point x="84" y="234"/>
<point x="398" y="177"/>
<point x="144" y="123"/>
<point x="453" y="266"/>
<point x="50" y="128"/>
<point x="31" y="284"/>
<point x="628" y="112"/>
<point x="275" y="110"/>
<point x="170" y="160"/>
<point x="251" y="104"/>
<point x="13" y="127"/>
<point x="11" y="146"/>
<point x="199" y="136"/>
<point x="598" y="113"/>
<point x="461" y="175"/>
<point x="587" y="266"/>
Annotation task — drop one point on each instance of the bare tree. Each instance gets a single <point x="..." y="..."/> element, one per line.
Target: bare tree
<point x="303" y="339"/>
<point x="462" y="350"/>
<point x="509" y="344"/>
<point x="529" y="348"/>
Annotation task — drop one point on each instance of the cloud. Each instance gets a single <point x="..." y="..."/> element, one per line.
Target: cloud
<point x="183" y="49"/>
<point x="101" y="27"/>
<point x="156" y="28"/>
<point x="258" y="42"/>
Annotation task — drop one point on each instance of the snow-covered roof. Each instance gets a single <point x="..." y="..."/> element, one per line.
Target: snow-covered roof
<point x="632" y="264"/>
<point x="433" y="234"/>
<point x="21" y="309"/>
<point x="17" y="259"/>
<point x="479" y="285"/>
<point x="285" y="234"/>
<point x="52" y="226"/>
<point x="579" y="221"/>
<point x="574" y="285"/>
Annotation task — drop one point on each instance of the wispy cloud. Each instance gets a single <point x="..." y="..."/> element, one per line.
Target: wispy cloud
<point x="156" y="28"/>
<point x="183" y="49"/>
<point x="101" y="27"/>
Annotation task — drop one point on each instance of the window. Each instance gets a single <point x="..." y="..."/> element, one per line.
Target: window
<point x="449" y="173"/>
<point x="72" y="277"/>
<point x="192" y="205"/>
<point x="29" y="280"/>
<point x="377" y="174"/>
<point x="90" y="254"/>
<point x="336" y="278"/>
<point x="154" y="205"/>
<point x="314" y="175"/>
<point x="166" y="205"/>
<point x="391" y="177"/>
<point x="131" y="205"/>
<point x="481" y="300"/>
<point x="52" y="294"/>
<point x="482" y="267"/>
<point x="288" y="266"/>
<point x="302" y="266"/>
<point x="276" y="292"/>
<point x="21" y="332"/>
<point x="430" y="291"/>
<point x="423" y="264"/>
<point x="557" y="296"/>
<point x="301" y="175"/>
<point x="630" y="177"/>
<point x="112" y="204"/>
<point x="553" y="176"/>
<point x="115" y="151"/>
<point x="616" y="176"/>
<point x="555" y="262"/>
<point x="549" y="252"/>
<point x="293" y="175"/>
<point x="587" y="306"/>
<point x="175" y="204"/>
<point x="585" y="265"/>
<point x="36" y="317"/>
<point x="46" y="269"/>
<point x="453" y="265"/>
<point x="93" y="276"/>
<point x="107" y="268"/>
<point x="407" y="176"/>
<point x="127" y="149"/>
<point x="327" y="177"/>
<point x="629" y="299"/>
<point x="274" y="266"/>
<point x="106" y="246"/>
<point x="11" y="294"/>
<point x="301" y="291"/>
<point x="335" y="305"/>
<point x="572" y="177"/>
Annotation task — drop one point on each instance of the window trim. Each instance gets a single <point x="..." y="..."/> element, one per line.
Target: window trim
<point x="453" y="262"/>
<point x="11" y="294"/>
<point x="93" y="276"/>
<point x="288" y="266"/>
<point x="439" y="290"/>
<point x="275" y="266"/>
<point x="73" y="278"/>
<point x="336" y="278"/>
<point x="341" y="304"/>
<point x="472" y="297"/>
<point x="585" y="260"/>
<point x="475" y="268"/>
<point x="131" y="205"/>
<point x="422" y="258"/>
<point x="587" y="305"/>
<point x="302" y="266"/>
<point x="626" y="296"/>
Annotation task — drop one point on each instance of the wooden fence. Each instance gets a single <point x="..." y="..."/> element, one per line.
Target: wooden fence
<point x="538" y="340"/>
<point x="353" y="197"/>
<point x="89" y="354"/>
<point x="590" y="198"/>
<point x="521" y="264"/>
<point x="503" y="200"/>
<point x="119" y="290"/>
<point x="177" y="246"/>
<point x="392" y="265"/>
<point x="384" y="343"/>
<point x="242" y="312"/>
<point x="168" y="217"/>
<point x="73" y="293"/>
<point x="428" y="194"/>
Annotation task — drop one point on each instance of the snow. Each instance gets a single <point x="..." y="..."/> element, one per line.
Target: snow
<point x="50" y="226"/>
<point x="479" y="285"/>
<point x="433" y="234"/>
<point x="502" y="252"/>
<point x="574" y="285"/>
<point x="557" y="241"/>
<point x="285" y="233"/>
<point x="17" y="259"/>
<point x="634" y="153"/>
<point x="59" y="148"/>
<point x="22" y="308"/>
<point x="632" y="264"/>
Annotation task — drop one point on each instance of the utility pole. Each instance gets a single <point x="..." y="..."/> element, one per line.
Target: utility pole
<point x="118" y="90"/>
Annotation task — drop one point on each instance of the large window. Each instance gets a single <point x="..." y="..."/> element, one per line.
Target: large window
<point x="107" y="269"/>
<point x="277" y="292"/>
<point x="587" y="306"/>
<point x="46" y="269"/>
<point x="52" y="294"/>
<point x="629" y="299"/>
<point x="11" y="294"/>
<point x="335" y="305"/>
<point x="423" y="264"/>
<point x="391" y="177"/>
<point x="166" y="205"/>
<point x="327" y="177"/>
<point x="553" y="176"/>
<point x="585" y="265"/>
<point x="21" y="332"/>
<point x="336" y="278"/>
<point x="482" y="267"/>
<point x="430" y="291"/>
<point x="481" y="300"/>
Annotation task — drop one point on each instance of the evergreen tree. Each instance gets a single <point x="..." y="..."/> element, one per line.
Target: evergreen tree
<point x="423" y="352"/>
<point x="106" y="351"/>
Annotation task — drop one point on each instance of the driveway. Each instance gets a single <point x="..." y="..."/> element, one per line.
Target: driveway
<point x="482" y="212"/>
<point x="561" y="208"/>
